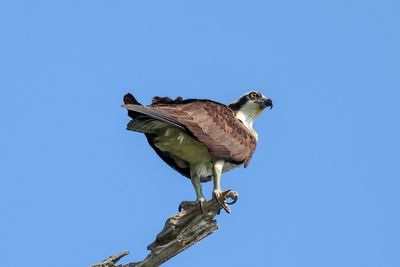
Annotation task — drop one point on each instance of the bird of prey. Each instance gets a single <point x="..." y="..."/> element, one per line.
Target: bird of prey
<point x="200" y="138"/>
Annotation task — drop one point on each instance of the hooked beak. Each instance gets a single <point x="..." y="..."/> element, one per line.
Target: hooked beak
<point x="266" y="102"/>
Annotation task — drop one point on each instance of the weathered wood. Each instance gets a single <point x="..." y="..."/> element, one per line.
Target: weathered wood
<point x="180" y="231"/>
<point x="112" y="260"/>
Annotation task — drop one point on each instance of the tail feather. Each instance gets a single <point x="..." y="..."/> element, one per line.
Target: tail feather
<point x="130" y="99"/>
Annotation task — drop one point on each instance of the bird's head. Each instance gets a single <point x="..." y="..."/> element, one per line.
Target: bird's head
<point x="249" y="106"/>
<point x="252" y="103"/>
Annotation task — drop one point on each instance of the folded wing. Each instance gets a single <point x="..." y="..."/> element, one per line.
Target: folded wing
<point x="211" y="123"/>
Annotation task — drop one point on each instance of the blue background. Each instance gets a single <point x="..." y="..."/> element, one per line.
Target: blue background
<point x="321" y="190"/>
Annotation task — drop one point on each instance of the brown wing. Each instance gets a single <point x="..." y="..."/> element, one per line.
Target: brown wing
<point x="213" y="124"/>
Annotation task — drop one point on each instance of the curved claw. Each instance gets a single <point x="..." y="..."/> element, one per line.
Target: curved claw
<point x="201" y="205"/>
<point x="226" y="207"/>
<point x="185" y="205"/>
<point x="223" y="205"/>
<point x="217" y="198"/>
<point x="233" y="201"/>
<point x="234" y="196"/>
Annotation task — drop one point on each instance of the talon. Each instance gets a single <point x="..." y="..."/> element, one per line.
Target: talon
<point x="185" y="205"/>
<point x="201" y="205"/>
<point x="224" y="205"/>
<point x="233" y="201"/>
<point x="234" y="196"/>
<point x="226" y="208"/>
<point x="217" y="197"/>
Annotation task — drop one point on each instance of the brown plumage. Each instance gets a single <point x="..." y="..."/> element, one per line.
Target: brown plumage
<point x="199" y="138"/>
<point x="211" y="123"/>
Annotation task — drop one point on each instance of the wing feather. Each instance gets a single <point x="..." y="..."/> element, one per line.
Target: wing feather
<point x="216" y="126"/>
<point x="211" y="123"/>
<point x="155" y="114"/>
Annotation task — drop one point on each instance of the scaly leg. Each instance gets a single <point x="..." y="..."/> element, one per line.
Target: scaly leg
<point x="217" y="172"/>
<point x="197" y="187"/>
<point x="199" y="194"/>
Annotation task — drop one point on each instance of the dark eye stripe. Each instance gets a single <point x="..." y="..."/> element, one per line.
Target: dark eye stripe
<point x="237" y="105"/>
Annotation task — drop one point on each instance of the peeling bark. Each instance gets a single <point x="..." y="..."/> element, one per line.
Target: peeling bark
<point x="180" y="231"/>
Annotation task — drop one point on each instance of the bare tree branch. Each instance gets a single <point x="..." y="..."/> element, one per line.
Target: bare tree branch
<point x="180" y="231"/>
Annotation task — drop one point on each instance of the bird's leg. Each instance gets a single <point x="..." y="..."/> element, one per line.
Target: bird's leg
<point x="199" y="194"/>
<point x="217" y="172"/>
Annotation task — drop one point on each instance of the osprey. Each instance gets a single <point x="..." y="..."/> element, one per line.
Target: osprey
<point x="200" y="138"/>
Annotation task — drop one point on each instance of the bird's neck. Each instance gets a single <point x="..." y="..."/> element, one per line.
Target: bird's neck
<point x="247" y="117"/>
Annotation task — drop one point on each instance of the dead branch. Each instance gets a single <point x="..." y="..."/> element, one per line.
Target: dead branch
<point x="180" y="231"/>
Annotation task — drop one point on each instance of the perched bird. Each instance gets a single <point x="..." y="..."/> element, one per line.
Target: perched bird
<point x="200" y="138"/>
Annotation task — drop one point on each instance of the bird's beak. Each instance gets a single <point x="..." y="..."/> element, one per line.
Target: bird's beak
<point x="265" y="102"/>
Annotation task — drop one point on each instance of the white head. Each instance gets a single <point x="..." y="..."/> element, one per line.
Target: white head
<point x="249" y="106"/>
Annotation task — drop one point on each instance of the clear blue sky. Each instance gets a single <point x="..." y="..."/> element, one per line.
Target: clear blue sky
<point x="321" y="190"/>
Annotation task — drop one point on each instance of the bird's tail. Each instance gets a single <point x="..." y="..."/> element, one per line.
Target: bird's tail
<point x="129" y="99"/>
<point x="140" y="122"/>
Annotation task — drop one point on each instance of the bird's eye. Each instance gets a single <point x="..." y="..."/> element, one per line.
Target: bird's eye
<point x="253" y="95"/>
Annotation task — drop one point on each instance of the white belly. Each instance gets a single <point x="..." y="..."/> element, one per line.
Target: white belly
<point x="188" y="152"/>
